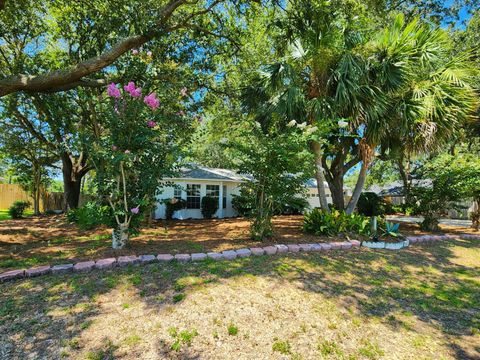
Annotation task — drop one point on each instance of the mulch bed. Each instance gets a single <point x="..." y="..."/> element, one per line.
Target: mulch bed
<point x="51" y="240"/>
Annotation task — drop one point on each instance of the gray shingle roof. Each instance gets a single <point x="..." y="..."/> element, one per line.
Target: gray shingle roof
<point x="205" y="173"/>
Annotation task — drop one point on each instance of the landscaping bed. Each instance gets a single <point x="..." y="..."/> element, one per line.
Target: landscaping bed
<point x="51" y="240"/>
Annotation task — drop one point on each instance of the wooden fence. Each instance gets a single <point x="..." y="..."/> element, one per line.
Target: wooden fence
<point x="9" y="193"/>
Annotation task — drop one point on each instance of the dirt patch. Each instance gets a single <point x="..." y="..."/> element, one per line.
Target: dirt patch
<point x="50" y="239"/>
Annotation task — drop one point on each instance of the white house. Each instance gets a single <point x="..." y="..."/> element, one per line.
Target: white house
<point x="195" y="183"/>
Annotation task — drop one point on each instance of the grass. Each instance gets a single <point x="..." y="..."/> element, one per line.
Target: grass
<point x="422" y="303"/>
<point x="4" y="215"/>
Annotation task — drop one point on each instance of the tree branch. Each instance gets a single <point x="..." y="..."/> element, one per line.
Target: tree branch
<point x="351" y="164"/>
<point x="62" y="79"/>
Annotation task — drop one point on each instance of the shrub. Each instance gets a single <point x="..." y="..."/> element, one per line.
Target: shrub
<point x="91" y="215"/>
<point x="370" y="204"/>
<point x="243" y="204"/>
<point x="17" y="209"/>
<point x="173" y="205"/>
<point x="294" y="206"/>
<point x="320" y="222"/>
<point x="209" y="206"/>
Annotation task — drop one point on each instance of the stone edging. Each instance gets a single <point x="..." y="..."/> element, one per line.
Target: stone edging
<point x="122" y="261"/>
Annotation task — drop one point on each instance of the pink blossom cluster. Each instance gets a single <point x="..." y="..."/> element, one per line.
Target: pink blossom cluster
<point x="151" y="124"/>
<point x="152" y="101"/>
<point x="135" y="210"/>
<point x="113" y="91"/>
<point x="132" y="90"/>
<point x="183" y="91"/>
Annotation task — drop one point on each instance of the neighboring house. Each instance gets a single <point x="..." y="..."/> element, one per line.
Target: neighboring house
<point x="394" y="194"/>
<point x="195" y="183"/>
<point x="312" y="193"/>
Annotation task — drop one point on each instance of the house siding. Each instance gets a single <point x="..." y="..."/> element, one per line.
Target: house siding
<point x="168" y="193"/>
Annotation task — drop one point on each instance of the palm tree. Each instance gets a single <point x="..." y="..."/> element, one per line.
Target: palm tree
<point x="433" y="104"/>
<point x="338" y="68"/>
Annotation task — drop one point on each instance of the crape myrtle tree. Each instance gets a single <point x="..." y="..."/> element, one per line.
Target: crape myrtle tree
<point x="139" y="146"/>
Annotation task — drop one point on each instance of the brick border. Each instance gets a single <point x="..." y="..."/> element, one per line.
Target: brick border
<point x="121" y="261"/>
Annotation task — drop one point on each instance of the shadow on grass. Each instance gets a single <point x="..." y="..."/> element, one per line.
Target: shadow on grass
<point x="423" y="281"/>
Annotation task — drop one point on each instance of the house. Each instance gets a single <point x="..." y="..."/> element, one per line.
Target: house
<point x="194" y="183"/>
<point x="393" y="193"/>
<point x="312" y="193"/>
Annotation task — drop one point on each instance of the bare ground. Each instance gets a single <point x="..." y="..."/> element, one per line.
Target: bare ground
<point x="418" y="303"/>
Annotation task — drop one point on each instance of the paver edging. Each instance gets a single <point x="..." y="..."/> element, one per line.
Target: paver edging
<point x="108" y="263"/>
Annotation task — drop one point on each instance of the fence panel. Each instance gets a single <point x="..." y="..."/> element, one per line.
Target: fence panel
<point x="9" y="193"/>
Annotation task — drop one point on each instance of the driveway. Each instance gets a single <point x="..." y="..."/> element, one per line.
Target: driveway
<point x="419" y="219"/>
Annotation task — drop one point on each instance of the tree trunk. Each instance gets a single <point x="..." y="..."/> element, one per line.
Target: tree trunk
<point x="36" y="202"/>
<point x="72" y="181"/>
<point x="320" y="175"/>
<point x="120" y="236"/>
<point x="430" y="223"/>
<point x="336" y="188"/>
<point x="405" y="175"/>
<point x="36" y="189"/>
<point x="352" y="204"/>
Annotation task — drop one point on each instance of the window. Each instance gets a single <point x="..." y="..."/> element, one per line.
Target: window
<point x="193" y="196"/>
<point x="177" y="193"/>
<point x="213" y="191"/>
<point x="224" y="199"/>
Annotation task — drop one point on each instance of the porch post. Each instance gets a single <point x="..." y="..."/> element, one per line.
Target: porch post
<point x="220" y="201"/>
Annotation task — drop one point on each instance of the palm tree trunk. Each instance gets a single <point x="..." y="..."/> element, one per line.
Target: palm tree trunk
<point x="320" y="175"/>
<point x="352" y="204"/>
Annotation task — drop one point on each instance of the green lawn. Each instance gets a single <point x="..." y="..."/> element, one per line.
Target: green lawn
<point x="5" y="216"/>
<point x="418" y="303"/>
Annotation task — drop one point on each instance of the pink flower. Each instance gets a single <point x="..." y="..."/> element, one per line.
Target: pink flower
<point x="149" y="53"/>
<point x="114" y="148"/>
<point x="183" y="92"/>
<point x="134" y="92"/>
<point x="152" y="101"/>
<point x="135" y="210"/>
<point x="134" y="52"/>
<point x="113" y="91"/>
<point x="151" y="124"/>
<point x="129" y="87"/>
<point x="137" y="92"/>
<point x="127" y="151"/>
